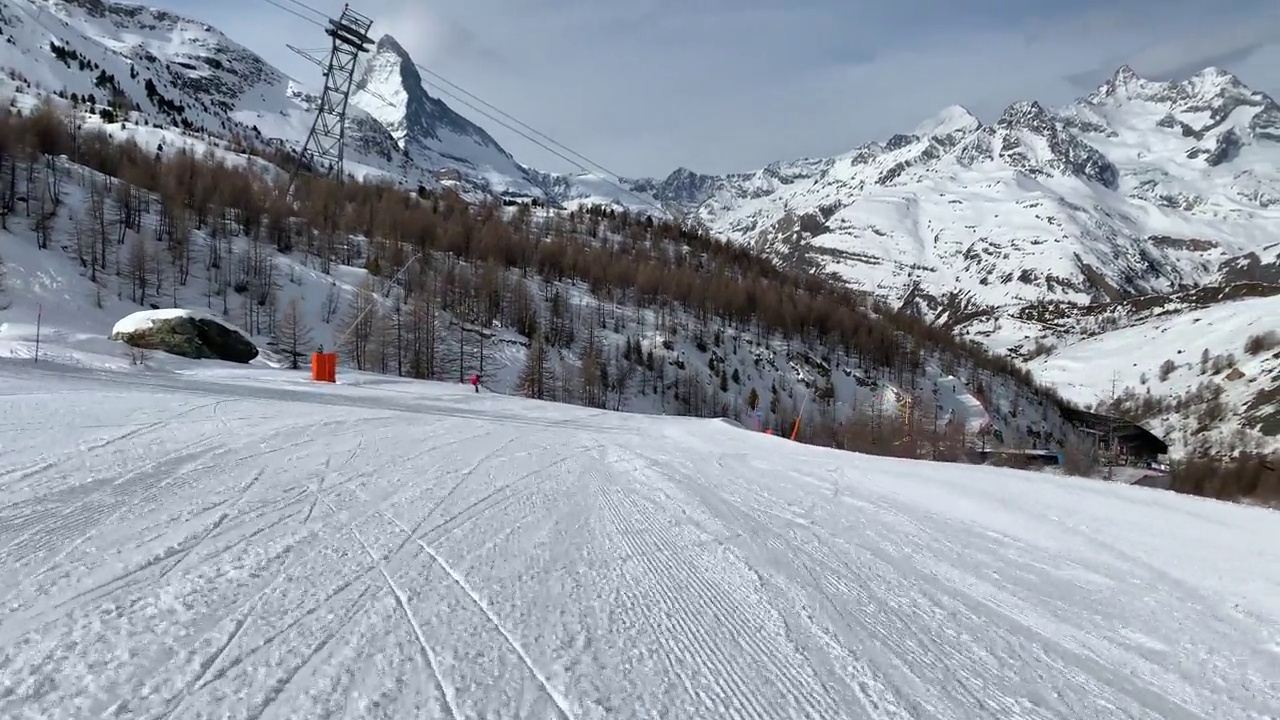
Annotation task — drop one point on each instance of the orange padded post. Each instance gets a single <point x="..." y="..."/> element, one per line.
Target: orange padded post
<point x="324" y="367"/>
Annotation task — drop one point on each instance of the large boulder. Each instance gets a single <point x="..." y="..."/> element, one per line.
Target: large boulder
<point x="187" y="333"/>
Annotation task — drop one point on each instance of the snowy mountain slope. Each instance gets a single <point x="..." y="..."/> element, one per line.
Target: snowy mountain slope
<point x="1140" y="187"/>
<point x="1201" y="376"/>
<point x="175" y="72"/>
<point x="107" y="50"/>
<point x="254" y="287"/>
<point x="573" y="191"/>
<point x="678" y="363"/>
<point x="289" y="550"/>
<point x="171" y="70"/>
<point x="136" y="65"/>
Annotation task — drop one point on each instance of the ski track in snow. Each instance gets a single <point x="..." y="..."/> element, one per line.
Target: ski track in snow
<point x="227" y="548"/>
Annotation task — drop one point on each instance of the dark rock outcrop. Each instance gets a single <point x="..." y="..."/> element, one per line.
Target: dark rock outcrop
<point x="195" y="337"/>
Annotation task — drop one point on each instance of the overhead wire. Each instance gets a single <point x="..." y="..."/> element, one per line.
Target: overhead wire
<point x="308" y="7"/>
<point x="590" y="167"/>
<point x="295" y="13"/>
<point x="493" y="107"/>
<point x="540" y="134"/>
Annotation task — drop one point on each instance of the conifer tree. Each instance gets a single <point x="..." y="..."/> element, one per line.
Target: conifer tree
<point x="293" y="333"/>
<point x="537" y="378"/>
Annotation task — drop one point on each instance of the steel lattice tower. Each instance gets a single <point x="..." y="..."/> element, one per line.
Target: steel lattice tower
<point x="322" y="152"/>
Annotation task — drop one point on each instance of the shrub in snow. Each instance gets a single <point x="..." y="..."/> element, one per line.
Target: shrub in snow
<point x="187" y="333"/>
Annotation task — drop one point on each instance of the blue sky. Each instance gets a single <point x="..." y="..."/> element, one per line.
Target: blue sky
<point x="645" y="86"/>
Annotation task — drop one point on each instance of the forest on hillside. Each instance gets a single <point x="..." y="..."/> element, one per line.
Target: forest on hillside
<point x="451" y="271"/>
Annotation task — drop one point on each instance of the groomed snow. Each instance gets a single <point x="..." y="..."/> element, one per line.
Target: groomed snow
<point x="241" y="543"/>
<point x="144" y="319"/>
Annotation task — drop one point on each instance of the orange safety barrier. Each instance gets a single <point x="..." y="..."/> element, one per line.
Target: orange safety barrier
<point x="324" y="367"/>
<point x="331" y="367"/>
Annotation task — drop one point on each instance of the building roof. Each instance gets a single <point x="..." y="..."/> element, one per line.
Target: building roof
<point x="1126" y="431"/>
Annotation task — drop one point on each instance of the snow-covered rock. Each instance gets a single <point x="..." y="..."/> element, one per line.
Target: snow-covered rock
<point x="186" y="333"/>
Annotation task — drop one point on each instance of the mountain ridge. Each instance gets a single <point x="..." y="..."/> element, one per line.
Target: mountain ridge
<point x="1085" y="161"/>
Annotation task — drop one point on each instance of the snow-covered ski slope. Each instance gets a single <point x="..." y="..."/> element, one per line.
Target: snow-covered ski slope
<point x="242" y="543"/>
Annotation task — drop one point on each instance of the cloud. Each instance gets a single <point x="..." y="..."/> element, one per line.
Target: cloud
<point x="1233" y="37"/>
<point x="644" y="86"/>
<point x="430" y="36"/>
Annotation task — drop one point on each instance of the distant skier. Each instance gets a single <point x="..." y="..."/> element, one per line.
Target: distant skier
<point x="475" y="382"/>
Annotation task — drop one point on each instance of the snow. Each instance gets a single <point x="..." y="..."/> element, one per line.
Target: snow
<point x="953" y="118"/>
<point x="77" y="315"/>
<point x="994" y="217"/>
<point x="950" y="213"/>
<point x="50" y="288"/>
<point x="586" y="189"/>
<point x="144" y="319"/>
<point x="243" y="543"/>
<point x="1082" y="367"/>
<point x="1141" y="348"/>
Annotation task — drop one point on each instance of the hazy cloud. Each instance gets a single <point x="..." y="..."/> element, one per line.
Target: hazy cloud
<point x="645" y="86"/>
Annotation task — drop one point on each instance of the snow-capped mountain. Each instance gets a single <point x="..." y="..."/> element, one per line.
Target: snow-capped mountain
<point x="428" y="133"/>
<point x="1140" y="187"/>
<point x="155" y="67"/>
<point x="171" y="71"/>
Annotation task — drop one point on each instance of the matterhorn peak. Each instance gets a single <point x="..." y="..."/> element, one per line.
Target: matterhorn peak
<point x="388" y="44"/>
<point x="390" y="70"/>
<point x="392" y="91"/>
